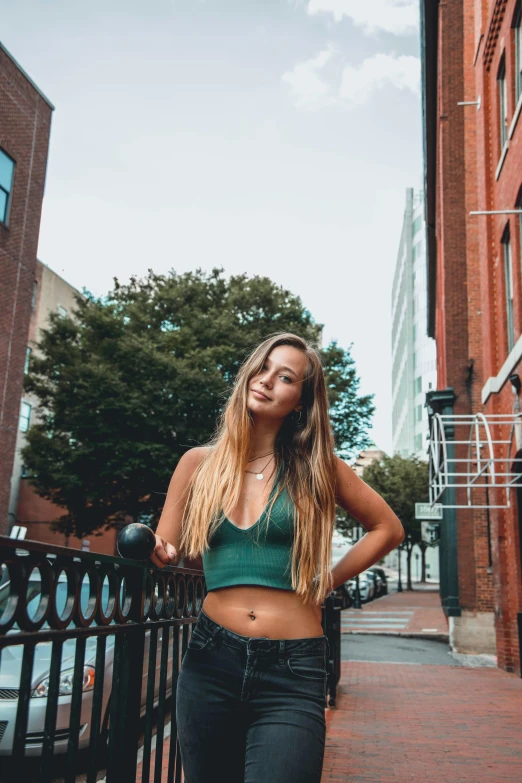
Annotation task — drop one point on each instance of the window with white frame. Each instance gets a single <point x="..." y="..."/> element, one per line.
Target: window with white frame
<point x="508" y="274"/>
<point x="502" y="103"/>
<point x="62" y="311"/>
<point x="25" y="416"/>
<point x="6" y="185"/>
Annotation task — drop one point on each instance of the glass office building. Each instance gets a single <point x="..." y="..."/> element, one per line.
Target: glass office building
<point x="414" y="369"/>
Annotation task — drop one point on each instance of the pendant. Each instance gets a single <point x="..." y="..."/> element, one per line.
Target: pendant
<point x="260" y="477"/>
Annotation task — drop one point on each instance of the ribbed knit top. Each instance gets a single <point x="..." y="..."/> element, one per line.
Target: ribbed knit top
<point x="258" y="555"/>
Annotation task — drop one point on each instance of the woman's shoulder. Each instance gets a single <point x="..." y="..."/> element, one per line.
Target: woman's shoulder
<point x="193" y="458"/>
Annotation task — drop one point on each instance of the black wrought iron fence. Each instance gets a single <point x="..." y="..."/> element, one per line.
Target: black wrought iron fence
<point x="90" y="650"/>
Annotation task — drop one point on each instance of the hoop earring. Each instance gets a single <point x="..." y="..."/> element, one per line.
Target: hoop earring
<point x="298" y="420"/>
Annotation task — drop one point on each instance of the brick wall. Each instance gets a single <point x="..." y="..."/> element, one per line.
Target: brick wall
<point x="459" y="322"/>
<point x="474" y="172"/>
<point x="25" y="122"/>
<point x="499" y="189"/>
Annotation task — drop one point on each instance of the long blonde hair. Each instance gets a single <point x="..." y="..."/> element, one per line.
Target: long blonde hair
<point x="305" y="448"/>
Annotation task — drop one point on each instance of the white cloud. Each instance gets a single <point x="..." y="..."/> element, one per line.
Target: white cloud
<point x="355" y="84"/>
<point x="378" y="72"/>
<point x="306" y="86"/>
<point x="392" y="16"/>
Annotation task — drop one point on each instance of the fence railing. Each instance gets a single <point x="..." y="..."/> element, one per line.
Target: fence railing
<point x="90" y="650"/>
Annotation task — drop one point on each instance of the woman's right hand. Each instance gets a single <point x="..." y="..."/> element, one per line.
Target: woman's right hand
<point x="164" y="554"/>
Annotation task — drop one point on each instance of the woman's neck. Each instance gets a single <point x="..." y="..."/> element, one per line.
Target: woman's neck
<point x="263" y="437"/>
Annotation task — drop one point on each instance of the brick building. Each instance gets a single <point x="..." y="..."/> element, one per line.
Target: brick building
<point x="472" y="102"/>
<point x="27" y="509"/>
<point x="25" y="123"/>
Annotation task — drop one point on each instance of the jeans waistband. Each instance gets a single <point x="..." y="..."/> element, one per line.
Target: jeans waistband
<point x="262" y="644"/>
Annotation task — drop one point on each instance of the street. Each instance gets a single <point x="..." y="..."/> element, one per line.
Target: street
<point x="371" y="648"/>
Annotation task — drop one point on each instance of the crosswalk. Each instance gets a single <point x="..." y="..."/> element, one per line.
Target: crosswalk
<point x="365" y="620"/>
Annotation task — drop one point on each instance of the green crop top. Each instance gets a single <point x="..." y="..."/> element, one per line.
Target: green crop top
<point x="258" y="555"/>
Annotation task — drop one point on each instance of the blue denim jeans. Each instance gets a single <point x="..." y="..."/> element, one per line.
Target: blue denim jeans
<point x="251" y="709"/>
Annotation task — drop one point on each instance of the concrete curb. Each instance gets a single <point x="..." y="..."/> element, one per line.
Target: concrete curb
<point x="439" y="637"/>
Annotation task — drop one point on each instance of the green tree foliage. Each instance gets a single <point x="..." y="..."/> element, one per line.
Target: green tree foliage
<point x="136" y="378"/>
<point x="402" y="482"/>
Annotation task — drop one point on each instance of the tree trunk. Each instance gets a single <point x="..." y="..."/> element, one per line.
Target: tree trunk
<point x="423" y="548"/>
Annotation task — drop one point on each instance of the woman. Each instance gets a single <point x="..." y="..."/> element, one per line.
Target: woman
<point x="258" y="505"/>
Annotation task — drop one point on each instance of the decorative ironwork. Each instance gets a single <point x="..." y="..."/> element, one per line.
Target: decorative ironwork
<point x="476" y="455"/>
<point x="95" y="643"/>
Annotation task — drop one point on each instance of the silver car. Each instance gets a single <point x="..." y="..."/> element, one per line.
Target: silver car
<point x="366" y="587"/>
<point x="10" y="671"/>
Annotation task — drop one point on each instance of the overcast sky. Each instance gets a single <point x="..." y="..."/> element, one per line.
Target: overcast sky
<point x="274" y="137"/>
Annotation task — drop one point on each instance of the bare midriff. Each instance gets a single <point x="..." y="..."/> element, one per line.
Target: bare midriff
<point x="263" y="611"/>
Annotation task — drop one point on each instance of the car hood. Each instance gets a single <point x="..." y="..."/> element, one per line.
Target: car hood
<point x="11" y="661"/>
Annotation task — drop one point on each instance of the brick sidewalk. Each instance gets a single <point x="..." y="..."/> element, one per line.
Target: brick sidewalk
<point x="416" y="612"/>
<point x="396" y="723"/>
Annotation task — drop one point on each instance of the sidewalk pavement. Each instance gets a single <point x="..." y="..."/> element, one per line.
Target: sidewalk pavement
<point x="410" y="613"/>
<point x="396" y="723"/>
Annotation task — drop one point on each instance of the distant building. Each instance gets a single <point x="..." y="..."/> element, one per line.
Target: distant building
<point x="413" y="352"/>
<point x="365" y="458"/>
<point x="25" y="126"/>
<point x="26" y="508"/>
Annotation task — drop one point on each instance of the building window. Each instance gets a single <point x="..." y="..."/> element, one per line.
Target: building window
<point x="35" y="291"/>
<point x="518" y="52"/>
<point x="418" y="442"/>
<point x="6" y="185"/>
<point x="508" y="273"/>
<point x="417" y="223"/>
<point x="25" y="416"/>
<point x="27" y="358"/>
<point x="62" y="311"/>
<point x="418" y="385"/>
<point x="502" y="103"/>
<point x="419" y="413"/>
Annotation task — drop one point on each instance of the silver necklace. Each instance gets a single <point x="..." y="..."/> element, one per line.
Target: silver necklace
<point x="259" y="476"/>
<point x="259" y="456"/>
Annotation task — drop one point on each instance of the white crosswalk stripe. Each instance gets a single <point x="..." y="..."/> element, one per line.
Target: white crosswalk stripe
<point x="359" y="620"/>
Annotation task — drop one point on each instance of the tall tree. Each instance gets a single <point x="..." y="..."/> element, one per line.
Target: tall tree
<point x="402" y="482"/>
<point x="137" y="377"/>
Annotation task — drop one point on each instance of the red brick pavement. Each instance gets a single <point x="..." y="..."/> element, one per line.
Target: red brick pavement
<point x="396" y="723"/>
<point x="416" y="612"/>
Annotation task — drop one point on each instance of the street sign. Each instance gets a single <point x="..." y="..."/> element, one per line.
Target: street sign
<point x="427" y="511"/>
<point x="430" y="532"/>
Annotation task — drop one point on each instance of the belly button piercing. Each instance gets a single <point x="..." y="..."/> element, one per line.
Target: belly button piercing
<point x="252" y="615"/>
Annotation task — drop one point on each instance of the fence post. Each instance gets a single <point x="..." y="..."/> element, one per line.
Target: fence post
<point x="332" y="630"/>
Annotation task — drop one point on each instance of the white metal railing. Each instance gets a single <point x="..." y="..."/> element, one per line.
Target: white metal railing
<point x="475" y="454"/>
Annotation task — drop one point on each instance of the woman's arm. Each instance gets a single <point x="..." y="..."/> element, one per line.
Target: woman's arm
<point x="384" y="530"/>
<point x="168" y="532"/>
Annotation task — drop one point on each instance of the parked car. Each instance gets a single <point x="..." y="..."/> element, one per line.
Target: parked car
<point x="381" y="573"/>
<point x="343" y="594"/>
<point x="379" y="586"/>
<point x="10" y="670"/>
<point x="366" y="587"/>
